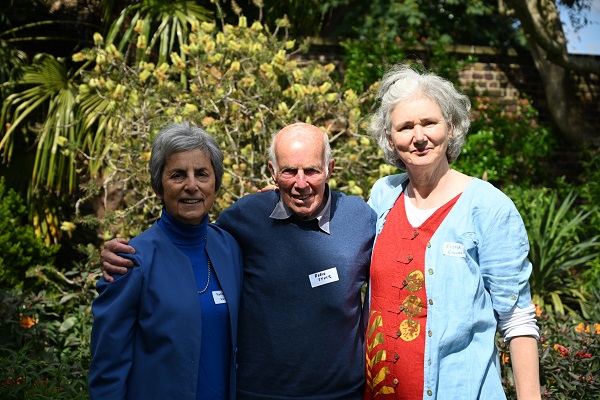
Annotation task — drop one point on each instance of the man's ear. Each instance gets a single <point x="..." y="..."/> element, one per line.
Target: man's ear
<point x="272" y="169"/>
<point x="331" y="165"/>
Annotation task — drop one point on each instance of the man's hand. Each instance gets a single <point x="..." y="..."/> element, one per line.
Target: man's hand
<point x="110" y="263"/>
<point x="267" y="188"/>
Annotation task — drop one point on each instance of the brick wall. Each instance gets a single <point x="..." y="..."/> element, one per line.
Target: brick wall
<point x="504" y="75"/>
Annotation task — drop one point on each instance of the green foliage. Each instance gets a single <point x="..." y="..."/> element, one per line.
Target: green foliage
<point x="20" y="248"/>
<point x="242" y="83"/>
<point x="45" y="348"/>
<point x="569" y="359"/>
<point x="159" y="26"/>
<point x="505" y="146"/>
<point x="559" y="251"/>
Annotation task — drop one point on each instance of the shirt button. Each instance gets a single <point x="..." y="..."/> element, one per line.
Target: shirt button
<point x="429" y="362"/>
<point x="395" y="381"/>
<point x="415" y="233"/>
<point x="430" y="271"/>
<point x="428" y="244"/>
<point x="431" y="302"/>
<point x="410" y="257"/>
<point x="513" y="297"/>
<point x="430" y="333"/>
<point x="429" y="393"/>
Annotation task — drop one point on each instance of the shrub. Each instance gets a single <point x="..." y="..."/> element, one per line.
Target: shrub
<point x="45" y="348"/>
<point x="20" y="248"/>
<point x="505" y="146"/>
<point x="569" y="359"/>
<point x="242" y="84"/>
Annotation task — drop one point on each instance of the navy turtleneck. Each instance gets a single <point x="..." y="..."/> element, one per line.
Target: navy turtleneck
<point x="213" y="371"/>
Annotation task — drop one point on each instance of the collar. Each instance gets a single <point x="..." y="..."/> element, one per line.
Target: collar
<point x="281" y="211"/>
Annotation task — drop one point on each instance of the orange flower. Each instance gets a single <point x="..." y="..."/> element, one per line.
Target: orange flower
<point x="27" y="322"/>
<point x="562" y="350"/>
<point x="597" y="329"/>
<point x="581" y="354"/>
<point x="538" y="310"/>
<point x="580" y="327"/>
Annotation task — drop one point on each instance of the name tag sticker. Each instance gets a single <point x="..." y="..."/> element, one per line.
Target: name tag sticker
<point x="323" y="277"/>
<point x="454" y="249"/>
<point x="219" y="297"/>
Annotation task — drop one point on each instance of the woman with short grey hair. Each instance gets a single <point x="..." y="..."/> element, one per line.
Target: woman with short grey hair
<point x="168" y="327"/>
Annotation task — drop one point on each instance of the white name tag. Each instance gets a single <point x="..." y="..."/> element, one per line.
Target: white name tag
<point x="454" y="249"/>
<point x="323" y="277"/>
<point x="219" y="297"/>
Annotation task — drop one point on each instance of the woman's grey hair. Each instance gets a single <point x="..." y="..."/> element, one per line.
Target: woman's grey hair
<point x="179" y="137"/>
<point x="402" y="83"/>
<point x="326" y="156"/>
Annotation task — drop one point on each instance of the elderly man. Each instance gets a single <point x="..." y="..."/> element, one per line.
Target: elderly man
<point x="306" y="253"/>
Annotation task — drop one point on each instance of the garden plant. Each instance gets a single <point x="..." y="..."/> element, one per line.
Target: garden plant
<point x="243" y="81"/>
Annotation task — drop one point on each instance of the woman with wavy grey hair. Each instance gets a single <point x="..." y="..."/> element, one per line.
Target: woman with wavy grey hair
<point x="449" y="265"/>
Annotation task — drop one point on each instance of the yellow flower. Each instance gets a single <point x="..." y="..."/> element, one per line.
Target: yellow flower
<point x="100" y="59"/>
<point x="177" y="61"/>
<point x="209" y="46"/>
<point x="141" y="42"/>
<point x="268" y="70"/>
<point x="189" y="109"/>
<point x="144" y="75"/>
<point x="139" y="26"/>
<point x="279" y="58"/>
<point x="119" y="91"/>
<point x="112" y="50"/>
<point x="597" y="329"/>
<point x="247" y="81"/>
<point x="207" y="26"/>
<point x="331" y="97"/>
<point x="256" y="48"/>
<point x="235" y="66"/>
<point x="78" y="57"/>
<point x="98" y="39"/>
<point x="256" y="26"/>
<point x="324" y="88"/>
<point x="243" y="22"/>
<point x="290" y="44"/>
<point x="233" y="45"/>
<point x="67" y="226"/>
<point x="580" y="328"/>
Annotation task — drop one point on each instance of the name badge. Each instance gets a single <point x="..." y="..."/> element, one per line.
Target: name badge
<point x="219" y="297"/>
<point x="454" y="249"/>
<point x="323" y="277"/>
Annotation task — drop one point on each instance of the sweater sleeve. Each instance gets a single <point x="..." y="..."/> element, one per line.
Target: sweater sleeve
<point x="113" y="333"/>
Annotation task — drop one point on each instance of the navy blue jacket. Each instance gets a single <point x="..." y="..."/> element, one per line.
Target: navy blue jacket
<point x="146" y="338"/>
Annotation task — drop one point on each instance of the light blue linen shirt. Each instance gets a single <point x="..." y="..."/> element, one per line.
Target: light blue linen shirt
<point x="475" y="266"/>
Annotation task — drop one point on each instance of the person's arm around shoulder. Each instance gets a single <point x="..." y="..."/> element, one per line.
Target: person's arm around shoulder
<point x="111" y="263"/>
<point x="525" y="364"/>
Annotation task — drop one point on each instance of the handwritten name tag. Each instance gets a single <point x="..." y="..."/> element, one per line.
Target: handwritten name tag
<point x="219" y="297"/>
<point x="323" y="277"/>
<point x="454" y="249"/>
